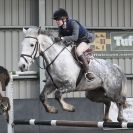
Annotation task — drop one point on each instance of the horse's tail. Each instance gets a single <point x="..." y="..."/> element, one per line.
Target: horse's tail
<point x="124" y="92"/>
<point x="124" y="88"/>
<point x="126" y="105"/>
<point x="124" y="82"/>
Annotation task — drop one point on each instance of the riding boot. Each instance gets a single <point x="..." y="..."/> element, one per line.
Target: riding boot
<point x="88" y="75"/>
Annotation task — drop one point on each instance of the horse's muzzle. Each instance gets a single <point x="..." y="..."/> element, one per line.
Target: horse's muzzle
<point x="22" y="67"/>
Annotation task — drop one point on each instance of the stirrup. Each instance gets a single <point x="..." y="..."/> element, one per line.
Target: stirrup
<point x="91" y="78"/>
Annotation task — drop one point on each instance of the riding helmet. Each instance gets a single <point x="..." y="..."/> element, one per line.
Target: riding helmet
<point x="60" y="14"/>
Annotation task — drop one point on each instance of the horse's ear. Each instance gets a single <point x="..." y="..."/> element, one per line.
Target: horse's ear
<point x="42" y="47"/>
<point x="24" y="30"/>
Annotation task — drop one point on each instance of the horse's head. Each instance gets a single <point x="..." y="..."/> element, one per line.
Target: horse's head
<point x="36" y="41"/>
<point x="30" y="48"/>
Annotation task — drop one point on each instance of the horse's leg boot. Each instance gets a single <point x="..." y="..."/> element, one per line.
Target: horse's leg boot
<point x="88" y="75"/>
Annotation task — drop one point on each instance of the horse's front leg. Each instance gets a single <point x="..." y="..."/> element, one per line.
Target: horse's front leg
<point x="64" y="104"/>
<point x="106" y="114"/>
<point x="44" y="99"/>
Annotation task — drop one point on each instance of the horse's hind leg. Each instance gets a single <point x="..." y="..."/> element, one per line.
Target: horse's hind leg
<point x="120" y="117"/>
<point x="64" y="104"/>
<point x="106" y="114"/>
<point x="44" y="99"/>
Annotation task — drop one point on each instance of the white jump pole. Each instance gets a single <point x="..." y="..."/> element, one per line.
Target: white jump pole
<point x="9" y="94"/>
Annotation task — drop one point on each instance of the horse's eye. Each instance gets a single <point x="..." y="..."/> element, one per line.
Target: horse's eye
<point x="32" y="45"/>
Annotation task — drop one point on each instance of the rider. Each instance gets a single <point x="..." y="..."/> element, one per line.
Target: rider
<point x="72" y="31"/>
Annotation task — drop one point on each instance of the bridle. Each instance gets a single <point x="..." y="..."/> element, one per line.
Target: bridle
<point x="33" y="55"/>
<point x="36" y="48"/>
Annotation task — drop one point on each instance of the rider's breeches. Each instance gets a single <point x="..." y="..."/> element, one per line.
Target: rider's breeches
<point x="82" y="47"/>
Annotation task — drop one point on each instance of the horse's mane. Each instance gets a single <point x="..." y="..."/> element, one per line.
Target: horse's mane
<point x="50" y="33"/>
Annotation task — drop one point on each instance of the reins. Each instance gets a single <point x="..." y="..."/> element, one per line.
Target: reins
<point x="33" y="55"/>
<point x="47" y="67"/>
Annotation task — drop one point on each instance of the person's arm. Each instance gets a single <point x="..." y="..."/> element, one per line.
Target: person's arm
<point x="75" y="34"/>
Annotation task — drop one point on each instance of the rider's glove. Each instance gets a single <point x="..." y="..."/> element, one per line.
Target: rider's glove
<point x="67" y="43"/>
<point x="57" y="39"/>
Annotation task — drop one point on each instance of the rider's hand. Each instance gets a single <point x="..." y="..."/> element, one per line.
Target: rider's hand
<point x="57" y="39"/>
<point x="67" y="43"/>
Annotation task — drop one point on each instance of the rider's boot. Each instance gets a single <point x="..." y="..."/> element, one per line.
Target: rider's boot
<point x="85" y="62"/>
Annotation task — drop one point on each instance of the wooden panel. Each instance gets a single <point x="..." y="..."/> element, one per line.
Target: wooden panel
<point x="127" y="13"/>
<point x="8" y="53"/>
<point x="49" y="12"/>
<point x="82" y="12"/>
<point x="101" y="13"/>
<point x="75" y="9"/>
<point x="34" y="15"/>
<point x="42" y="13"/>
<point x="16" y="90"/>
<point x="32" y="89"/>
<point x="88" y="13"/>
<point x="69" y="7"/>
<point x="131" y="13"/>
<point x="95" y="11"/>
<point x="55" y="7"/>
<point x="15" y="50"/>
<point x="122" y="64"/>
<point x="8" y="12"/>
<point x="28" y="12"/>
<point x="21" y="12"/>
<point x="128" y="68"/>
<point x="2" y="17"/>
<point x="114" y="13"/>
<point x="129" y="88"/>
<point x="132" y="65"/>
<point x="121" y="16"/>
<point x="15" y="12"/>
<point x="132" y="88"/>
<point x="115" y="61"/>
<point x="23" y="89"/>
<point x="2" y="49"/>
<point x="108" y="7"/>
<point x="20" y="38"/>
<point x="62" y="3"/>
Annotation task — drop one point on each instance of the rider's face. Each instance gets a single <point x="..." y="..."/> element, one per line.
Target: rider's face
<point x="59" y="22"/>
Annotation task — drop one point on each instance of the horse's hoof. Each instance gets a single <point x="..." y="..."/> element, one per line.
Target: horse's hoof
<point x="71" y="108"/>
<point x="121" y="120"/>
<point x="51" y="109"/>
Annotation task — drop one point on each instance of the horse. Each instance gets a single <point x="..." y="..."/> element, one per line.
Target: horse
<point x="4" y="101"/>
<point x="62" y="72"/>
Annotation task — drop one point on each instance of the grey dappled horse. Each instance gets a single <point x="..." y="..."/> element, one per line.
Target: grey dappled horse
<point x="62" y="73"/>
